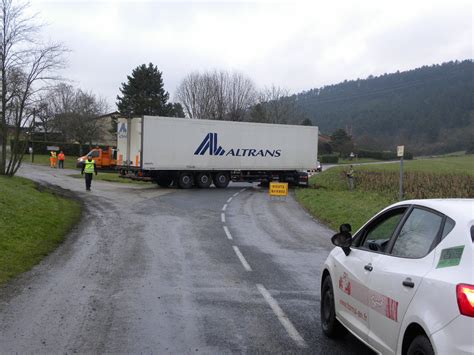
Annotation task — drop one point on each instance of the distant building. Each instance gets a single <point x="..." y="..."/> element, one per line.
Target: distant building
<point x="323" y="138"/>
<point x="109" y="129"/>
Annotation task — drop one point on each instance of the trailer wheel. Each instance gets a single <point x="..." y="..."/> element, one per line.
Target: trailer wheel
<point x="164" y="181"/>
<point x="203" y="180"/>
<point x="221" y="179"/>
<point x="185" y="180"/>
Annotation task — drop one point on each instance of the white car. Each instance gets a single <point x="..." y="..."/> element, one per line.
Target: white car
<point x="404" y="283"/>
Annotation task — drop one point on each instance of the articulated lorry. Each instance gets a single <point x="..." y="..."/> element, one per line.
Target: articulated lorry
<point x="191" y="152"/>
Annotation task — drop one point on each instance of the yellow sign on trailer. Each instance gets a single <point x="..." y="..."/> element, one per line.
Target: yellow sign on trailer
<point x="278" y="189"/>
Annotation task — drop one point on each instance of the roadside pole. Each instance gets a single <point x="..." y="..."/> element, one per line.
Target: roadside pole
<point x="129" y="137"/>
<point x="400" y="151"/>
<point x="32" y="152"/>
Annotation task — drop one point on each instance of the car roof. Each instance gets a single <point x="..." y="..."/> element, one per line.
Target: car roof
<point x="455" y="208"/>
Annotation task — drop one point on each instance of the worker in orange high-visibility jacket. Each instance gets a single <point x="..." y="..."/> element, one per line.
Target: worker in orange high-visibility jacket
<point x="61" y="158"/>
<point x="88" y="168"/>
<point x="53" y="159"/>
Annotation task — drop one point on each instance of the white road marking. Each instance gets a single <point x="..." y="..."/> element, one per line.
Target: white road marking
<point x="243" y="189"/>
<point x="235" y="194"/>
<point x="227" y="233"/>
<point x="223" y="217"/>
<point x="292" y="332"/>
<point x="242" y="259"/>
<point x="225" y="207"/>
<point x="230" y="199"/>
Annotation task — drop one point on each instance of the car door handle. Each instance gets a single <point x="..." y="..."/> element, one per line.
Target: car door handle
<point x="368" y="267"/>
<point x="408" y="283"/>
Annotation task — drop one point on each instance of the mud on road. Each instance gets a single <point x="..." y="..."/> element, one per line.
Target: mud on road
<point x="159" y="271"/>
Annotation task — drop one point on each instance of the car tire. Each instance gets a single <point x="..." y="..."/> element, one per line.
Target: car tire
<point x="420" y="346"/>
<point x="203" y="180"/>
<point x="185" y="180"/>
<point x="329" y="324"/>
<point x="221" y="180"/>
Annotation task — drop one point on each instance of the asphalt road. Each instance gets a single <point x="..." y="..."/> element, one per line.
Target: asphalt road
<point x="150" y="270"/>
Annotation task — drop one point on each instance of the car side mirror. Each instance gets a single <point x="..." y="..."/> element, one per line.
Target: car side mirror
<point x="346" y="227"/>
<point x="343" y="239"/>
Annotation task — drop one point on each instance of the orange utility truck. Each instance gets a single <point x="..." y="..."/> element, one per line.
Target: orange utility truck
<point x="104" y="158"/>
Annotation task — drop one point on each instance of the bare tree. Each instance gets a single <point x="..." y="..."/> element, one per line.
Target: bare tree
<point x="242" y="96"/>
<point x="195" y="94"/>
<point x="275" y="105"/>
<point x="44" y="116"/>
<point x="76" y="114"/>
<point x="86" y="127"/>
<point x="26" y="65"/>
<point x="216" y="95"/>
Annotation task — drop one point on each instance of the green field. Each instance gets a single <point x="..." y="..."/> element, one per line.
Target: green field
<point x="69" y="162"/>
<point x="33" y="222"/>
<point x="446" y="165"/>
<point x="330" y="200"/>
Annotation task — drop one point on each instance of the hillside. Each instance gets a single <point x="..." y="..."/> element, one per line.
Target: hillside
<point x="429" y="109"/>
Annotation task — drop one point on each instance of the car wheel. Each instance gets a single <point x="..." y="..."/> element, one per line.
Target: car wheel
<point x="420" y="346"/>
<point x="329" y="324"/>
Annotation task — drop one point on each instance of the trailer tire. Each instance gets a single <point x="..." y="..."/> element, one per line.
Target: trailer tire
<point x="221" y="179"/>
<point x="203" y="180"/>
<point x="185" y="180"/>
<point x="164" y="181"/>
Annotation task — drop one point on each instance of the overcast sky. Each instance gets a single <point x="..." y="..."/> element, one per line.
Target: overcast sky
<point x="297" y="45"/>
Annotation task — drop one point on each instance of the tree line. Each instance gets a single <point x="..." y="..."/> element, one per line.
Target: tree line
<point x="429" y="109"/>
<point x="214" y="95"/>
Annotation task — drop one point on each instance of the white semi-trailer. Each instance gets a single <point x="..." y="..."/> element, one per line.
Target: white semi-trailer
<point x="191" y="152"/>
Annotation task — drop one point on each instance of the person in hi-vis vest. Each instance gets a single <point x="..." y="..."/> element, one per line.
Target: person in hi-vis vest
<point x="53" y="159"/>
<point x="89" y="168"/>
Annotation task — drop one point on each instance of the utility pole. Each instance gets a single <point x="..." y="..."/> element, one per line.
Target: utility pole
<point x="129" y="137"/>
<point x="400" y="153"/>
<point x="33" y="125"/>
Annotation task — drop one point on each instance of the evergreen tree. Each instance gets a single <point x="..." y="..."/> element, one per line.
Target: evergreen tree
<point x="341" y="142"/>
<point x="178" y="110"/>
<point x="144" y="94"/>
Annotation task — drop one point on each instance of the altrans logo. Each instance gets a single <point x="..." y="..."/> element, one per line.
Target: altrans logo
<point x="122" y="131"/>
<point x="209" y="144"/>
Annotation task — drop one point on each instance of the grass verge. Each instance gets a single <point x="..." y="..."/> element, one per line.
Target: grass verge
<point x="32" y="224"/>
<point x="110" y="177"/>
<point x="330" y="201"/>
<point x="41" y="159"/>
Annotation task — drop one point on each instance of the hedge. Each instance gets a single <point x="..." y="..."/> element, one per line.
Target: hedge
<point x="329" y="159"/>
<point x="72" y="149"/>
<point x="382" y="155"/>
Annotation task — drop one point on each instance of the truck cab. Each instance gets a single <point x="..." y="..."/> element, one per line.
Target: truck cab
<point x="104" y="158"/>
